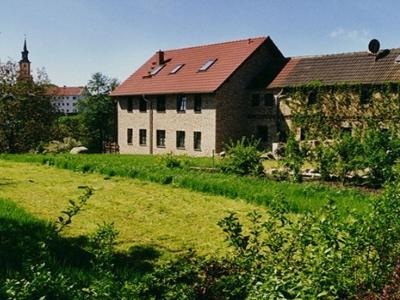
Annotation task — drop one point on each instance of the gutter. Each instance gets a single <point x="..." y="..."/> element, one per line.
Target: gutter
<point x="150" y="123"/>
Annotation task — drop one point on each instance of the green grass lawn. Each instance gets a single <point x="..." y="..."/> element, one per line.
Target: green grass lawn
<point x="301" y="197"/>
<point x="146" y="214"/>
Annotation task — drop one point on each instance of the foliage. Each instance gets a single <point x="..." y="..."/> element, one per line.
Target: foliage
<point x="26" y="113"/>
<point x="61" y="147"/>
<point x="72" y="210"/>
<point x="97" y="111"/>
<point x="371" y="154"/>
<point x="170" y="161"/>
<point x="319" y="255"/>
<point x="275" y="256"/>
<point x="294" y="158"/>
<point x="242" y="157"/>
<point x="70" y="126"/>
<point x="357" y="105"/>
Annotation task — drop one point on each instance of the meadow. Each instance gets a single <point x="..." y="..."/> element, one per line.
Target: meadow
<point x="160" y="229"/>
<point x="260" y="191"/>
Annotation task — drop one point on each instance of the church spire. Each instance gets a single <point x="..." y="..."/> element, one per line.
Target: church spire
<point x="24" y="73"/>
<point x="25" y="53"/>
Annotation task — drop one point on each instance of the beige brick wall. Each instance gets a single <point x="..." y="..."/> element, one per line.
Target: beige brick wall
<point x="170" y="121"/>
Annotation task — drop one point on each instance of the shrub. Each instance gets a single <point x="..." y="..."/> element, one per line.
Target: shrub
<point x="294" y="158"/>
<point x="171" y="161"/>
<point x="243" y="158"/>
<point x="61" y="147"/>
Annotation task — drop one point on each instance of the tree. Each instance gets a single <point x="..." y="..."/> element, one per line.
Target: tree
<point x="97" y="111"/>
<point x="26" y="112"/>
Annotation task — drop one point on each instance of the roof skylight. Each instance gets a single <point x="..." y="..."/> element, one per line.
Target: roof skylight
<point x="176" y="69"/>
<point x="207" y="65"/>
<point x="156" y="70"/>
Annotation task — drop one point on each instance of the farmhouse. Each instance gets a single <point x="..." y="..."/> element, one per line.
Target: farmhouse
<point x="337" y="92"/>
<point x="193" y="100"/>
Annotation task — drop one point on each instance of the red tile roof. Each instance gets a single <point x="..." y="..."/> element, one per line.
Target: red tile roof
<point x="66" y="91"/>
<point x="351" y="68"/>
<point x="188" y="79"/>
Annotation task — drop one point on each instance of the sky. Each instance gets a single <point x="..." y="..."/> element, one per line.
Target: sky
<point x="72" y="39"/>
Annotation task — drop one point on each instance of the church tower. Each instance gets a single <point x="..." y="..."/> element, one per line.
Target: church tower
<point x="24" y="66"/>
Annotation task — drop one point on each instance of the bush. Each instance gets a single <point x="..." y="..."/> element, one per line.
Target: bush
<point x="294" y="158"/>
<point x="243" y="158"/>
<point x="171" y="161"/>
<point x="61" y="147"/>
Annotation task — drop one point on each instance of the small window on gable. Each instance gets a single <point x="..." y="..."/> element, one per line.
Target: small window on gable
<point x="142" y="105"/>
<point x="207" y="65"/>
<point x="197" y="103"/>
<point x="176" y="69"/>
<point x="161" y="138"/>
<point x="262" y="133"/>
<point x="161" y="103"/>
<point x="269" y="100"/>
<point x="129" y="136"/>
<point x="181" y="101"/>
<point x="180" y="139"/>
<point x="142" y="137"/>
<point x="130" y="104"/>
<point x="156" y="70"/>
<point x="365" y="95"/>
<point x="197" y="140"/>
<point x="312" y="98"/>
<point x="255" y="100"/>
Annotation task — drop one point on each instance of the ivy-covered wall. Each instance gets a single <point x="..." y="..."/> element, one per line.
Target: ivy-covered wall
<point x="322" y="111"/>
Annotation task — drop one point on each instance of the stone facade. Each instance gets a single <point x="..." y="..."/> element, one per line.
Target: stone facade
<point x="227" y="113"/>
<point x="169" y="121"/>
<point x="236" y="116"/>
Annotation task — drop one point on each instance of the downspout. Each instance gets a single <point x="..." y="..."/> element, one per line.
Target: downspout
<point x="150" y="123"/>
<point x="278" y="118"/>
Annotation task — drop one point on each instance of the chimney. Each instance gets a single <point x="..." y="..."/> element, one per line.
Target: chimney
<point x="160" y="55"/>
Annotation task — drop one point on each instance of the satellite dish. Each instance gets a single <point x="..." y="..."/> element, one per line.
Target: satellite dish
<point x="374" y="46"/>
<point x="397" y="60"/>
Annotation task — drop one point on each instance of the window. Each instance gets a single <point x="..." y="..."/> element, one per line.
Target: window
<point x="207" y="65"/>
<point x="345" y="131"/>
<point x="142" y="105"/>
<point x="142" y="137"/>
<point x="176" y="69"/>
<point x="197" y="103"/>
<point x="255" y="100"/>
<point x="312" y="98"/>
<point x="161" y="103"/>
<point x="365" y="96"/>
<point x="197" y="140"/>
<point x="74" y="97"/>
<point x="180" y="139"/>
<point x="262" y="133"/>
<point x="129" y="134"/>
<point x="130" y="104"/>
<point x="160" y="138"/>
<point x="156" y="70"/>
<point x="269" y="100"/>
<point x="181" y="103"/>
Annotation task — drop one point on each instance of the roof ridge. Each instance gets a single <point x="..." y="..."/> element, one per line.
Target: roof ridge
<point x="220" y="43"/>
<point x="334" y="54"/>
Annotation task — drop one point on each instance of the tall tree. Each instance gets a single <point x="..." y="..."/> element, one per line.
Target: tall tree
<point x="26" y="113"/>
<point x="97" y="111"/>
